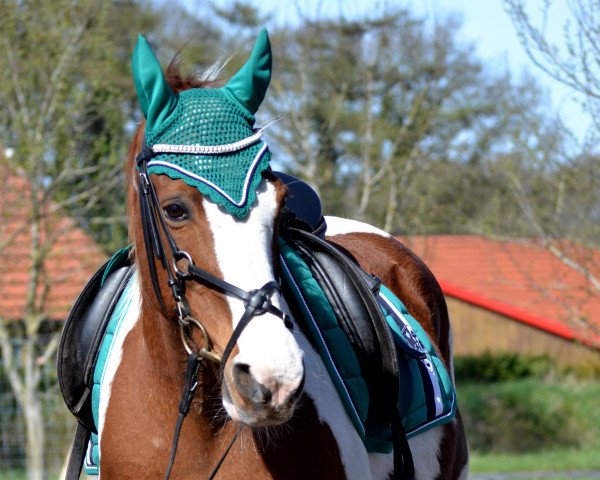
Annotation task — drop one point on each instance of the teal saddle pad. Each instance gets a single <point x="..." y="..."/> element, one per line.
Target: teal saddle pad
<point x="92" y="458"/>
<point x="425" y="392"/>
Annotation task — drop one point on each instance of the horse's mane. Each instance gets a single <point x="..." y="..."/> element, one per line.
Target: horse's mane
<point x="179" y="81"/>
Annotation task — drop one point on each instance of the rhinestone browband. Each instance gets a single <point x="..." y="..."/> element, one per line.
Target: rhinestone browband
<point x="209" y="149"/>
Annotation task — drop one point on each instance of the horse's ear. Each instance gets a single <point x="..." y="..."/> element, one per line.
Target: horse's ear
<point x="249" y="85"/>
<point x="154" y="94"/>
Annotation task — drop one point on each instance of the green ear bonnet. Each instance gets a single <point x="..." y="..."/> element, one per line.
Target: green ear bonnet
<point x="206" y="136"/>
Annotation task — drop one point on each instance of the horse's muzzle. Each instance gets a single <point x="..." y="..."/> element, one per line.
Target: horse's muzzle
<point x="260" y="401"/>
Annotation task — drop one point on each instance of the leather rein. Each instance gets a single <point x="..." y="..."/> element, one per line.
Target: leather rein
<point x="257" y="302"/>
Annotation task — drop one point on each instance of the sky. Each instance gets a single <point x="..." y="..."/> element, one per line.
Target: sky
<point x="488" y="26"/>
<point x="484" y="23"/>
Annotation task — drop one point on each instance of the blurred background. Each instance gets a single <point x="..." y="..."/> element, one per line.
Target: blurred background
<point x="468" y="129"/>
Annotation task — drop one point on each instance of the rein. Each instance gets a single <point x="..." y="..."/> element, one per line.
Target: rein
<point x="257" y="302"/>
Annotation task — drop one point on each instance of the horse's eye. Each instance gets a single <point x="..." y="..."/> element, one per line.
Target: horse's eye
<point x="176" y="212"/>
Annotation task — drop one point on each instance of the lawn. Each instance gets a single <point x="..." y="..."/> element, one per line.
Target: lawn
<point x="586" y="459"/>
<point x="533" y="425"/>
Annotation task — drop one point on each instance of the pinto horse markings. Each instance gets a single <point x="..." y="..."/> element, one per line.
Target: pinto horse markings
<point x="266" y="349"/>
<point x="273" y="385"/>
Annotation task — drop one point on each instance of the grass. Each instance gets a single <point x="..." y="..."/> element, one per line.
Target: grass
<point x="579" y="401"/>
<point x="558" y="460"/>
<point x="20" y="475"/>
<point x="535" y="476"/>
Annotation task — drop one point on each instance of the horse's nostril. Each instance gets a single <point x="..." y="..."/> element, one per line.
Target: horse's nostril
<point x="248" y="387"/>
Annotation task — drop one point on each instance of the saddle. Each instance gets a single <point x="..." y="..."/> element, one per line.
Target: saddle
<point x="334" y="300"/>
<point x="84" y="331"/>
<point x="366" y="337"/>
<point x="382" y="362"/>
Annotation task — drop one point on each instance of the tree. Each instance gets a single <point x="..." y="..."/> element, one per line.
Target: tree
<point x="64" y="99"/>
<point x="575" y="61"/>
<point x="559" y="194"/>
<point x="378" y="110"/>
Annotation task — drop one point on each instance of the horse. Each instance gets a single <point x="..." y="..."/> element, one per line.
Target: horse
<point x="207" y="316"/>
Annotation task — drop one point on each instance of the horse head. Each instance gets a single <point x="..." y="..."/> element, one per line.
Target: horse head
<point x="203" y="209"/>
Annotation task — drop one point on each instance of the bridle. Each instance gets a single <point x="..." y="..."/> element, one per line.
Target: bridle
<point x="180" y="269"/>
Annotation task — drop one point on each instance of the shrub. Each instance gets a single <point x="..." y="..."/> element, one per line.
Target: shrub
<point x="519" y="417"/>
<point x="501" y="367"/>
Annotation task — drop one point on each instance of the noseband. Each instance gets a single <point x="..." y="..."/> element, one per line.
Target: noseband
<point x="180" y="270"/>
<point x="257" y="302"/>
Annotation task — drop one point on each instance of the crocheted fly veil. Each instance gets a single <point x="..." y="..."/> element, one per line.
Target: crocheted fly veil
<point x="206" y="136"/>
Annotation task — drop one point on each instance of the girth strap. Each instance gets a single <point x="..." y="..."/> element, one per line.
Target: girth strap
<point x="80" y="444"/>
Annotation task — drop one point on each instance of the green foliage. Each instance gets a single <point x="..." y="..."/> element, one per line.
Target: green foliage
<point x="405" y="128"/>
<point x="524" y="404"/>
<point x="590" y="371"/>
<point x="65" y="100"/>
<point x="392" y="121"/>
<point x="500" y="367"/>
<point x="523" y="416"/>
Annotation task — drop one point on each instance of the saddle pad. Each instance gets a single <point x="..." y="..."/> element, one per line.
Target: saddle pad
<point x="426" y="396"/>
<point x="92" y="457"/>
<point x="83" y="332"/>
<point x="429" y="399"/>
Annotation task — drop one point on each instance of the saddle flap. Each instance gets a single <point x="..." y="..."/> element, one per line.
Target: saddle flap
<point x="83" y="332"/>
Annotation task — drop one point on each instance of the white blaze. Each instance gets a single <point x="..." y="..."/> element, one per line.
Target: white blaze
<point x="244" y="253"/>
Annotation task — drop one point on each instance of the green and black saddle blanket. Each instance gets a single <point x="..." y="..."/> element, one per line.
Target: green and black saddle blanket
<point x="380" y="359"/>
<point x="389" y="377"/>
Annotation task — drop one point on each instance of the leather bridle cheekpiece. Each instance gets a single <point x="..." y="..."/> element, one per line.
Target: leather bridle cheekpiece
<point x="180" y="270"/>
<point x="257" y="302"/>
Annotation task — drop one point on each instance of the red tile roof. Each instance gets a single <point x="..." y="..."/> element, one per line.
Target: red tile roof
<point x="522" y="280"/>
<point x="71" y="259"/>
